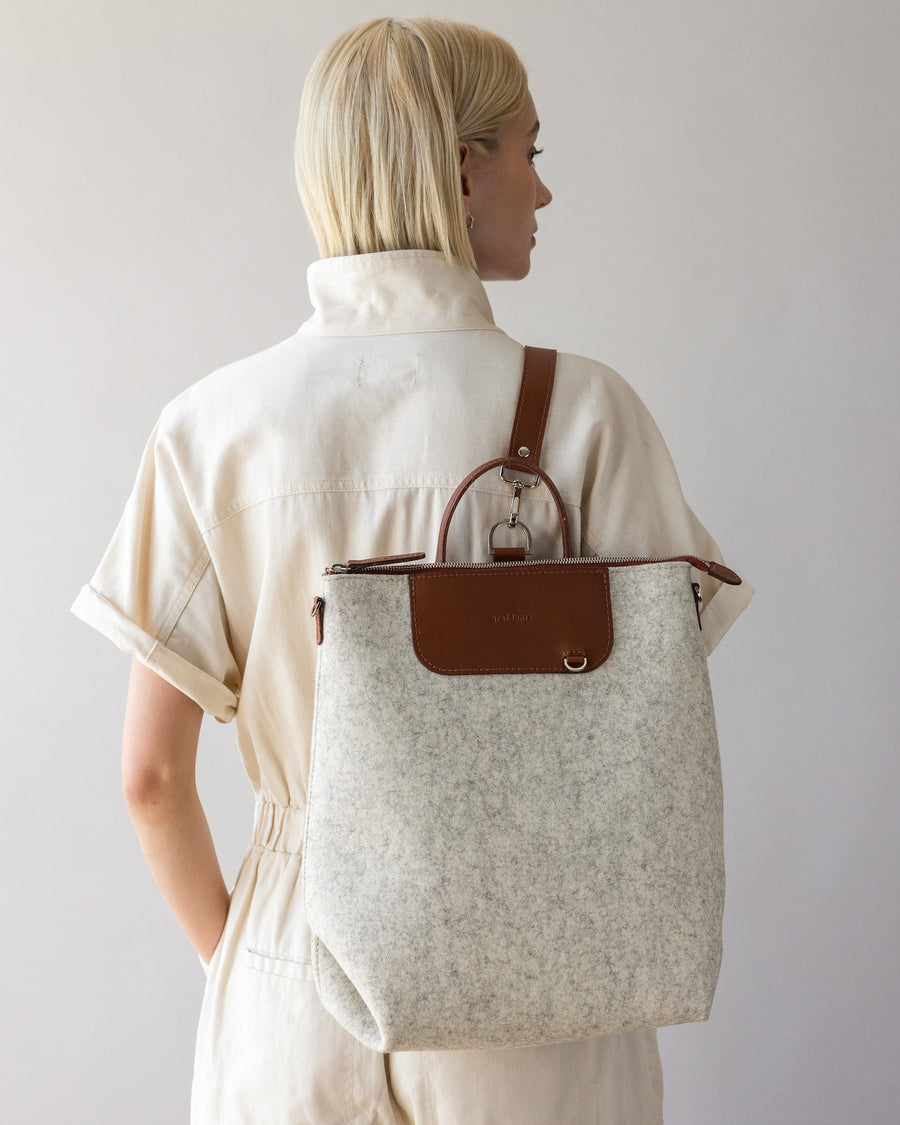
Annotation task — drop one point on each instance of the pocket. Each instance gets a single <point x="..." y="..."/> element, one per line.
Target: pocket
<point x="277" y="938"/>
<point x="290" y="965"/>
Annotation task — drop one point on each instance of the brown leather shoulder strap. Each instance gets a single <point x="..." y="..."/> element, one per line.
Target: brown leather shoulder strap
<point x="533" y="406"/>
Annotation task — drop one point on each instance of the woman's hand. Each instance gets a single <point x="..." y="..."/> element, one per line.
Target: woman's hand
<point x="159" y="754"/>
<point x="206" y="955"/>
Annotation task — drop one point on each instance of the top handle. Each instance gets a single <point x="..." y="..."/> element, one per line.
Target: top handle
<point x="518" y="465"/>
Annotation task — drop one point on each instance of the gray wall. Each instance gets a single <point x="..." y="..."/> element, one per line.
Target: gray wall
<point x="723" y="233"/>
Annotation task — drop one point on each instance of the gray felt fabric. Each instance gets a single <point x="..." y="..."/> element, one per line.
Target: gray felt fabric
<point x="499" y="860"/>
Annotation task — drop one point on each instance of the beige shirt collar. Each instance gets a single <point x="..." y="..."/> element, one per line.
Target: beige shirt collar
<point x="394" y="291"/>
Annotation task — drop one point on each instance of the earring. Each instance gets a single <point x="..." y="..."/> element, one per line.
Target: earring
<point x="470" y="221"/>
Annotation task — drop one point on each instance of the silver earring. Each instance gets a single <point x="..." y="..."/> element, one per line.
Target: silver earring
<point x="470" y="221"/>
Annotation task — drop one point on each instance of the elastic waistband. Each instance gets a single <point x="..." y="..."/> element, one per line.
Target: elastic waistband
<point x="279" y="828"/>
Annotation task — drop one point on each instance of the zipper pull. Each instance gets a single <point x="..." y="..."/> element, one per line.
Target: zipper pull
<point x="318" y="612"/>
<point x="353" y="565"/>
<point x="698" y="598"/>
<point x="723" y="573"/>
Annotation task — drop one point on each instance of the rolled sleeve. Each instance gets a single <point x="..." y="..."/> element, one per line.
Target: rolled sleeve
<point x="155" y="593"/>
<point x="101" y="614"/>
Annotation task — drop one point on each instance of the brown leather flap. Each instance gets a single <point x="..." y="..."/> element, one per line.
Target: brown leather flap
<point x="512" y="619"/>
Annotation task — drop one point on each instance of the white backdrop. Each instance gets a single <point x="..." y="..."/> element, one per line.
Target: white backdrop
<point x="730" y="172"/>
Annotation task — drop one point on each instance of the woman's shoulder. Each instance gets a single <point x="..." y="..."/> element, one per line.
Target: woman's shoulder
<point x="604" y="388"/>
<point x="234" y="388"/>
<point x="595" y="374"/>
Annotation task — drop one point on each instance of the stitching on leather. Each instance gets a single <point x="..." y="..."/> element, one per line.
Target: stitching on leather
<point x="520" y="404"/>
<point x="515" y="441"/>
<point x="545" y="411"/>
<point x="535" y="570"/>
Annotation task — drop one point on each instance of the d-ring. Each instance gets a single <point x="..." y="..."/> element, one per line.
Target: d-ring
<point x="505" y="523"/>
<point x="576" y="668"/>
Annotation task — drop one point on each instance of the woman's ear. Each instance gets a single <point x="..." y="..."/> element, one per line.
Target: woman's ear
<point x="465" y="161"/>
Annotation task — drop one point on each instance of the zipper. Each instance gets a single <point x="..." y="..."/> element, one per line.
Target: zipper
<point x="377" y="566"/>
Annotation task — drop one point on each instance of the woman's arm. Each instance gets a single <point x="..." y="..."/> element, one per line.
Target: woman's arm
<point x="159" y="754"/>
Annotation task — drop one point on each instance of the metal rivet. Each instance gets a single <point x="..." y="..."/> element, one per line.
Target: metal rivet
<point x="524" y="451"/>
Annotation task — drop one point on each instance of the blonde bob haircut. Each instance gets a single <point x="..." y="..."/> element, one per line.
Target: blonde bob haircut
<point x="381" y="114"/>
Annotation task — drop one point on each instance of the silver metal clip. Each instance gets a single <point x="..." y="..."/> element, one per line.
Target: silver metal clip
<point x="507" y="480"/>
<point x="513" y="518"/>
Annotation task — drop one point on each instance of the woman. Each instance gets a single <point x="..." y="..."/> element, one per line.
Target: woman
<point x="415" y="163"/>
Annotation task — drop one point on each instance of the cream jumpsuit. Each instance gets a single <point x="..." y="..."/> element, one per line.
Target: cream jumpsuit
<point x="345" y="441"/>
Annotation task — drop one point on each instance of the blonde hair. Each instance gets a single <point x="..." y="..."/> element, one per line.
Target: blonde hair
<point x="381" y="114"/>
